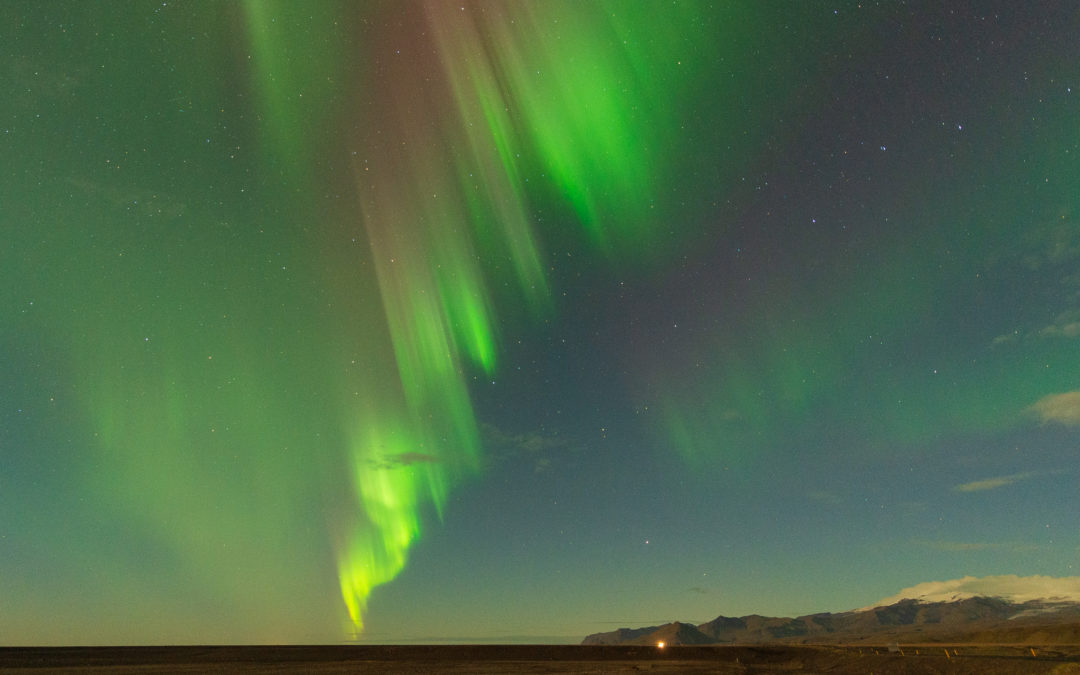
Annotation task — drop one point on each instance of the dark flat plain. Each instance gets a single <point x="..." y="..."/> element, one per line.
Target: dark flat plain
<point x="544" y="659"/>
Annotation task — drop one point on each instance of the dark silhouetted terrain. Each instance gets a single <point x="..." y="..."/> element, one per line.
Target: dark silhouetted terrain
<point x="488" y="659"/>
<point x="971" y="620"/>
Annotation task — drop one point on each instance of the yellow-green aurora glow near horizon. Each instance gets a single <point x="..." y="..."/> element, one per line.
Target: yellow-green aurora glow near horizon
<point x="442" y="192"/>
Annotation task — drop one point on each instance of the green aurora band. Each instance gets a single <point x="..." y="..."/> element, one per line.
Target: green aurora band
<point x="564" y="91"/>
<point x="729" y="401"/>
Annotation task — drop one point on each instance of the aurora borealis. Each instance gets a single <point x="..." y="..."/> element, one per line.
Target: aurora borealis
<point x="514" y="321"/>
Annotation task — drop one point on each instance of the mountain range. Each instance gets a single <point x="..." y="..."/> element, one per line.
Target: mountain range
<point x="942" y="614"/>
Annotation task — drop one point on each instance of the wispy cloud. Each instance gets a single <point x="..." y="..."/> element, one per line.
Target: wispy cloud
<point x="1060" y="408"/>
<point x="1051" y="250"/>
<point x="1066" y="325"/>
<point x="531" y="446"/>
<point x="1049" y="244"/>
<point x="527" y="442"/>
<point x="1005" y="339"/>
<point x="992" y="483"/>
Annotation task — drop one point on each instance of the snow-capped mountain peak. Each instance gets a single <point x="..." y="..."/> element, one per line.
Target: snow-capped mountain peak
<point x="1008" y="587"/>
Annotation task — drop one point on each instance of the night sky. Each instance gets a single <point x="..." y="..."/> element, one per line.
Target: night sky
<point x="517" y="321"/>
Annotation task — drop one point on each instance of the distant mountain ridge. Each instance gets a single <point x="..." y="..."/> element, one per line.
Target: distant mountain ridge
<point x="1005" y="586"/>
<point x="971" y="619"/>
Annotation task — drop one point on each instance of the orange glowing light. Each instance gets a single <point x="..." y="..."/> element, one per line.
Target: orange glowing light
<point x="660" y="645"/>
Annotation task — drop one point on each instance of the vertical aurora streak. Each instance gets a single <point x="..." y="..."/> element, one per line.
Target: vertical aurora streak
<point x="443" y="185"/>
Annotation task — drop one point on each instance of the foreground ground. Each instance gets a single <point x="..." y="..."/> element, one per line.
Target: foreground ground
<point x="547" y="659"/>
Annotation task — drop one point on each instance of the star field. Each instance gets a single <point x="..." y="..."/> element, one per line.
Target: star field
<point x="516" y="321"/>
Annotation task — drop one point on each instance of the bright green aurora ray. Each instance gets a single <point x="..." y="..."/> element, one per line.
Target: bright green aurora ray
<point x="444" y="192"/>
